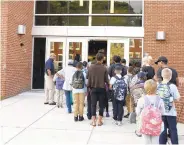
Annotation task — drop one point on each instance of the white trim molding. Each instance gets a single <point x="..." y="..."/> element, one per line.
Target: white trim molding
<point x="83" y="31"/>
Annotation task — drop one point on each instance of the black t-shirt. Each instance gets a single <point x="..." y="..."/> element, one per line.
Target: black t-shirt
<point x="112" y="69"/>
<point x="174" y="75"/>
<point x="150" y="71"/>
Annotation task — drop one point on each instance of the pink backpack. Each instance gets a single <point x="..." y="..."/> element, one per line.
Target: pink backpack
<point x="151" y="118"/>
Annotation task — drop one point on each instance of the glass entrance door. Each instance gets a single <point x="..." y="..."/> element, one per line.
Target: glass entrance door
<point x="76" y="49"/>
<point x="57" y="46"/>
<point x="117" y="47"/>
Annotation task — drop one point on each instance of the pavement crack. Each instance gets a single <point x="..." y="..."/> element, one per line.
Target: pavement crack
<point x="29" y="125"/>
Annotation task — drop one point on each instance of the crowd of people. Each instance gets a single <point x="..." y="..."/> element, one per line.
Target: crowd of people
<point x="149" y="97"/>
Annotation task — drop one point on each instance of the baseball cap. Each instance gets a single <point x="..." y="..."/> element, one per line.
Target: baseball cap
<point x="162" y="58"/>
<point x="141" y="74"/>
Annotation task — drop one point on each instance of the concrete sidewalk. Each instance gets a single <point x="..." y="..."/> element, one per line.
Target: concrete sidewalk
<point x="24" y="120"/>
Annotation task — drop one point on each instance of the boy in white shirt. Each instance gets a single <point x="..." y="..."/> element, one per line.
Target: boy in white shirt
<point x="169" y="117"/>
<point x="119" y="87"/>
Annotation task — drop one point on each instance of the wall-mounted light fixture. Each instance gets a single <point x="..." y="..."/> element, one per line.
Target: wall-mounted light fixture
<point x="21" y="30"/>
<point x="160" y="35"/>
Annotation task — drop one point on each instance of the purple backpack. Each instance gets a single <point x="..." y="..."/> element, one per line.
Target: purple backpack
<point x="59" y="83"/>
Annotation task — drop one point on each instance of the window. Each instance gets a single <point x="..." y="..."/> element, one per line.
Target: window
<point x="70" y="13"/>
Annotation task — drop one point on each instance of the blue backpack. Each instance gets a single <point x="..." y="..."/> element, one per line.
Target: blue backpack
<point x="59" y="83"/>
<point x="120" y="89"/>
<point x="163" y="90"/>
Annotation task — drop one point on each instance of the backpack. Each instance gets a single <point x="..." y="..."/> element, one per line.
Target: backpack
<point x="78" y="80"/>
<point x="59" y="83"/>
<point x="120" y="89"/>
<point x="151" y="118"/>
<point x="163" y="90"/>
<point x="137" y="91"/>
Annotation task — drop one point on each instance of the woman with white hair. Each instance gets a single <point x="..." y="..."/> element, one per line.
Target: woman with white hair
<point x="147" y="68"/>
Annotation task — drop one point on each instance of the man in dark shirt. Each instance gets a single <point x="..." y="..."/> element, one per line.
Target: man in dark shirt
<point x="49" y="84"/>
<point x="162" y="63"/>
<point x="97" y="77"/>
<point x="117" y="61"/>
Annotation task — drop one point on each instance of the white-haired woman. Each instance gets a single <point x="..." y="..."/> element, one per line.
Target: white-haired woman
<point x="147" y="68"/>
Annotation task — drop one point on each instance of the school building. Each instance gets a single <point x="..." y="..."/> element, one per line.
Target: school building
<point x="31" y="30"/>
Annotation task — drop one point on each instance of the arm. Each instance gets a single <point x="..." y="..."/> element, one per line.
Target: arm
<point x="140" y="106"/>
<point x="106" y="77"/>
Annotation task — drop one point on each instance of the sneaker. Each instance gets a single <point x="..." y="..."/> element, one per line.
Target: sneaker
<point x="127" y="116"/>
<point x="46" y="103"/>
<point x="138" y="134"/>
<point x="53" y="103"/>
<point x="107" y="114"/>
<point x="81" y="118"/>
<point x="120" y="123"/>
<point x="76" y="119"/>
<point x="115" y="122"/>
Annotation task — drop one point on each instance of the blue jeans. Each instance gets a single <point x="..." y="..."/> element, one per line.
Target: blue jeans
<point x="171" y="124"/>
<point x="68" y="100"/>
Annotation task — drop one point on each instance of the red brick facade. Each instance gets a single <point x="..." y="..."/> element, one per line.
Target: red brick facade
<point x="16" y="61"/>
<point x="166" y="16"/>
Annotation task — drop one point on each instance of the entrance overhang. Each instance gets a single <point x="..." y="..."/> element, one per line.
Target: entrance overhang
<point x="94" y="31"/>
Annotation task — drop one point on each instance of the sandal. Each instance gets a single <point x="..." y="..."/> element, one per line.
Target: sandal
<point x="93" y="124"/>
<point x="100" y="123"/>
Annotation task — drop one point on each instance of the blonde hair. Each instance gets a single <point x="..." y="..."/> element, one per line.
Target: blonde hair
<point x="150" y="87"/>
<point x="167" y="74"/>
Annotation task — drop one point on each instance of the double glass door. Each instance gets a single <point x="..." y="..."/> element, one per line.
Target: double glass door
<point x="68" y="48"/>
<point x="65" y="49"/>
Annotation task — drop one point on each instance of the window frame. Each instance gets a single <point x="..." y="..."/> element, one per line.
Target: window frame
<point x="89" y="15"/>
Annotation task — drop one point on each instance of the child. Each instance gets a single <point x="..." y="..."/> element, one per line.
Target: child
<point x="151" y="108"/>
<point x="169" y="93"/>
<point x="128" y="79"/>
<point x="136" y="92"/>
<point x="79" y="84"/>
<point x="59" y="90"/>
<point x="119" y="87"/>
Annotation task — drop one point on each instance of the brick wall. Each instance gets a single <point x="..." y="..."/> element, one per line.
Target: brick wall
<point x="169" y="17"/>
<point x="17" y="60"/>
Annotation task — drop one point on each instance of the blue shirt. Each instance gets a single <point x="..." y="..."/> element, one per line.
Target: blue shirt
<point x="49" y="65"/>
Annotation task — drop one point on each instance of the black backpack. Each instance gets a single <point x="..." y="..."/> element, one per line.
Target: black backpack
<point x="78" y="80"/>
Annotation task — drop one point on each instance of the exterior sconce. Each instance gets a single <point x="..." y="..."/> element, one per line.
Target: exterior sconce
<point x="21" y="30"/>
<point x="81" y="3"/>
<point x="160" y="35"/>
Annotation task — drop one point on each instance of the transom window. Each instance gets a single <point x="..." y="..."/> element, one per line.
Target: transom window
<point x="89" y="13"/>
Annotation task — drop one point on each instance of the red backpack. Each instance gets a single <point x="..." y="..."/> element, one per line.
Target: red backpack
<point x="151" y="118"/>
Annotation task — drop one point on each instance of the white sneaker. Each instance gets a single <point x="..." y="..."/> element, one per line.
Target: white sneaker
<point x="120" y="123"/>
<point x="115" y="122"/>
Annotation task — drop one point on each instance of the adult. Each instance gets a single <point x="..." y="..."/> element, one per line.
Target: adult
<point x="123" y="62"/>
<point x="67" y="74"/>
<point x="147" y="68"/>
<point x="162" y="63"/>
<point x="97" y="77"/>
<point x="49" y="84"/>
<point x="76" y="60"/>
<point x="117" y="61"/>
